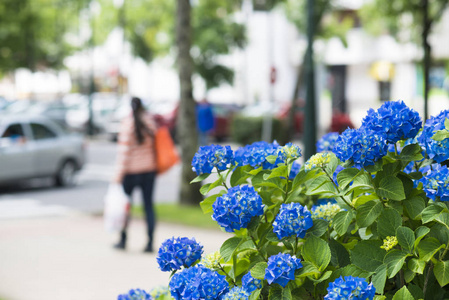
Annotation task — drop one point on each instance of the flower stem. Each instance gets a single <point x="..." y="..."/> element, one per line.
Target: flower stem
<point x="427" y="279"/>
<point x="224" y="179"/>
<point x="258" y="249"/>
<point x="227" y="275"/>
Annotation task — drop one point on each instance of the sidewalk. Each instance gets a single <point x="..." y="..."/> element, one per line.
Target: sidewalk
<point x="64" y="258"/>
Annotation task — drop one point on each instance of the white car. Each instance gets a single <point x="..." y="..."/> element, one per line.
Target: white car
<point x="34" y="146"/>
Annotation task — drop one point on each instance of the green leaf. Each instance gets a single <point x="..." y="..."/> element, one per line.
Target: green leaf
<point x="446" y="123"/>
<point x="228" y="247"/>
<point x="254" y="295"/>
<point x="391" y="188"/>
<point x="368" y="213"/>
<point x="258" y="271"/>
<point x="417" y="265"/>
<point x="430" y="213"/>
<point x="379" y="279"/>
<point x="420" y="232"/>
<point x="406" y="238"/>
<point x="319" y="227"/>
<point x="271" y="158"/>
<point x="339" y="254"/>
<point x="362" y="180"/>
<point x="388" y="222"/>
<point x="411" y="152"/>
<point x="368" y="255"/>
<point x="441" y="272"/>
<point x="403" y="294"/>
<point x="342" y="220"/>
<point x="316" y="251"/>
<point x="443" y="218"/>
<point x="395" y="260"/>
<point x="441" y="135"/>
<point x="352" y="270"/>
<point x="414" y="207"/>
<point x="210" y="186"/>
<point x="308" y="269"/>
<point x="206" y="204"/>
<point x="346" y="176"/>
<point x="278" y="293"/>
<point x="428" y="247"/>
<point x="239" y="175"/>
<point x="280" y="171"/>
<point x="324" y="277"/>
<point x="200" y="177"/>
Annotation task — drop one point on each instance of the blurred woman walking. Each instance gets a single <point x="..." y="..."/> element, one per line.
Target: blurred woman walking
<point x="136" y="164"/>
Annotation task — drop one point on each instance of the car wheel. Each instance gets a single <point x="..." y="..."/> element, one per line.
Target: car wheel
<point x="66" y="174"/>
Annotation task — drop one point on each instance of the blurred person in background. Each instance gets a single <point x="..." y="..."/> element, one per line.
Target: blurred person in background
<point x="136" y="162"/>
<point x="205" y="121"/>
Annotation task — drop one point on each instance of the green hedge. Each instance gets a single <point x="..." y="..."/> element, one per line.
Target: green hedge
<point x="246" y="130"/>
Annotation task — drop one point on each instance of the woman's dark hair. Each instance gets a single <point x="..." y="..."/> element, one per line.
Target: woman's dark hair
<point x="139" y="125"/>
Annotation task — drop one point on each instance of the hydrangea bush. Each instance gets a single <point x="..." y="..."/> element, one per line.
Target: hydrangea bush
<point x="368" y="218"/>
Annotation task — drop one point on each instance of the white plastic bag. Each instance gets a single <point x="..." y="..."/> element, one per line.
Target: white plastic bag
<point x="116" y="207"/>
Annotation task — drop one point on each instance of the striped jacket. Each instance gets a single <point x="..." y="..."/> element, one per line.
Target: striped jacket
<point x="132" y="157"/>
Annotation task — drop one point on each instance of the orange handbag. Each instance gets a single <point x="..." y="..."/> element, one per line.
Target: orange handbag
<point x="166" y="154"/>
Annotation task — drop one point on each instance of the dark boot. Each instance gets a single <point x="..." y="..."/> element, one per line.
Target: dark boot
<point x="149" y="247"/>
<point x="121" y="245"/>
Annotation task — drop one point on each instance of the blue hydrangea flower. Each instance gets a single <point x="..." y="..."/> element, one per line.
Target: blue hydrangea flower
<point x="198" y="282"/>
<point x="256" y="155"/>
<point x="213" y="156"/>
<point x="292" y="219"/>
<point x="175" y="253"/>
<point x="436" y="182"/>
<point x="395" y="120"/>
<point x="250" y="283"/>
<point x="234" y="210"/>
<point x="237" y="293"/>
<point x="136" y="294"/>
<point x="350" y="288"/>
<point x="296" y="167"/>
<point x="361" y="146"/>
<point x="281" y="268"/>
<point x="437" y="150"/>
<point x="327" y="142"/>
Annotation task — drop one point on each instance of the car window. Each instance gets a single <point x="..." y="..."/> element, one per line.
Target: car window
<point x="41" y="131"/>
<point x="13" y="131"/>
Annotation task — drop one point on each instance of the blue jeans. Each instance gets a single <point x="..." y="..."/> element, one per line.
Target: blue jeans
<point x="146" y="182"/>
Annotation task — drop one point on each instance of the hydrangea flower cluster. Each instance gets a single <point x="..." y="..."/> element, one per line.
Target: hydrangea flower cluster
<point x="293" y="219"/>
<point x="327" y="142"/>
<point x="136" y="294"/>
<point x="296" y="167"/>
<point x="211" y="260"/>
<point x="437" y="150"/>
<point x="325" y="211"/>
<point x="281" y="268"/>
<point x="318" y="160"/>
<point x="256" y="155"/>
<point x="395" y="120"/>
<point x="237" y="293"/>
<point x="175" y="253"/>
<point x="160" y="292"/>
<point x="250" y="283"/>
<point x="291" y="151"/>
<point x="436" y="182"/>
<point x="234" y="210"/>
<point x="212" y="156"/>
<point x="361" y="146"/>
<point x="389" y="243"/>
<point x="350" y="288"/>
<point x="198" y="282"/>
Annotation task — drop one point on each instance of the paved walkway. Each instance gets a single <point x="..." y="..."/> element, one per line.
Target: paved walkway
<point x="70" y="257"/>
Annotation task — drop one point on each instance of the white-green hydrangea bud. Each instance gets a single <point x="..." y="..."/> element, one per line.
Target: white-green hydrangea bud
<point x="211" y="260"/>
<point x="325" y="211"/>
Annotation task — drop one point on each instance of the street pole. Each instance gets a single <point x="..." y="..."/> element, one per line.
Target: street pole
<point x="268" y="118"/>
<point x="310" y="111"/>
<point x="90" y="122"/>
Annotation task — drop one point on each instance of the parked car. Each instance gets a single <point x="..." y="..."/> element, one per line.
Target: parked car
<point x="34" y="146"/>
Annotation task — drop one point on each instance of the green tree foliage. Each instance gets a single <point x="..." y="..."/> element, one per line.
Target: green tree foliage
<point x="32" y="32"/>
<point x="407" y="20"/>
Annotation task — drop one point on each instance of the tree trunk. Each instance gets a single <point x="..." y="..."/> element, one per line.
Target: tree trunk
<point x="186" y="125"/>
<point x="426" y="58"/>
